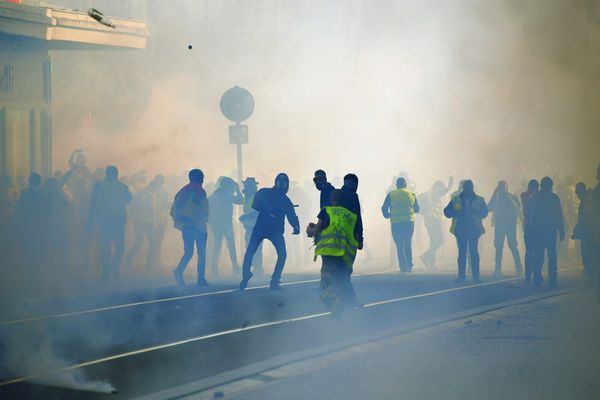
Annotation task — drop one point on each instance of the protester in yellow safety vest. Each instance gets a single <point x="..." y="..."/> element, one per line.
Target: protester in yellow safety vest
<point x="399" y="207"/>
<point x="507" y="212"/>
<point x="467" y="211"/>
<point x="248" y="220"/>
<point x="337" y="246"/>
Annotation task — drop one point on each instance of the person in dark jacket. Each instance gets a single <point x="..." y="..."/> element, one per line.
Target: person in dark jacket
<point x="324" y="187"/>
<point x="108" y="211"/>
<point x="30" y="217"/>
<point x="351" y="201"/>
<point x="532" y="188"/>
<point x="544" y="222"/>
<point x="467" y="211"/>
<point x="273" y="206"/>
<point x="190" y="215"/>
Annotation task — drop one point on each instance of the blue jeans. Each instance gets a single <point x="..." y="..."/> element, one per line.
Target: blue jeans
<point x="192" y="235"/>
<point x="255" y="241"/>
<point x="468" y="243"/>
<point x="402" y="233"/>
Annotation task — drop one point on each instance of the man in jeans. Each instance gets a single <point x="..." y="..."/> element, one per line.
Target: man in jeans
<point x="190" y="215"/>
<point x="399" y="207"/>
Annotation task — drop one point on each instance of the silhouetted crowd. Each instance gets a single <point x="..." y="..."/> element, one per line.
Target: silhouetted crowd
<point x="100" y="221"/>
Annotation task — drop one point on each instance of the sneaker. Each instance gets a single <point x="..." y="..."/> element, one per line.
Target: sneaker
<point x="459" y="280"/>
<point x="179" y="278"/>
<point x="497" y="273"/>
<point x="476" y="280"/>
<point x="244" y="282"/>
<point x="275" y="287"/>
<point x="426" y="261"/>
<point x="202" y="284"/>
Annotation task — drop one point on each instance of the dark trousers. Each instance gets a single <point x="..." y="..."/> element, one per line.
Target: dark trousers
<point x="141" y="230"/>
<point x="402" y="233"/>
<point x="544" y="242"/>
<point x="337" y="292"/>
<point x="510" y="234"/>
<point x="192" y="235"/>
<point x="255" y="241"/>
<point x="257" y="261"/>
<point x="436" y="237"/>
<point x="111" y="235"/>
<point x="529" y="254"/>
<point x="220" y="233"/>
<point x="587" y="255"/>
<point x="467" y="243"/>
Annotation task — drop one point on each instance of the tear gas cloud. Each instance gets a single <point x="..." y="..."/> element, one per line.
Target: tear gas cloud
<point x="487" y="90"/>
<point x="484" y="90"/>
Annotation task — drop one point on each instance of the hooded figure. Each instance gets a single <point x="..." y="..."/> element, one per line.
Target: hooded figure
<point x="273" y="206"/>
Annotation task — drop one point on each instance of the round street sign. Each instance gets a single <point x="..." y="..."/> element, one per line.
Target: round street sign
<point x="237" y="104"/>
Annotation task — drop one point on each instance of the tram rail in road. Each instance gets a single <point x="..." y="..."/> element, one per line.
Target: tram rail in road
<point x="253" y="327"/>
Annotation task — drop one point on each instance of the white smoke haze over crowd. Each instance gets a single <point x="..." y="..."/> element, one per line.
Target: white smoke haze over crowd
<point x="487" y="90"/>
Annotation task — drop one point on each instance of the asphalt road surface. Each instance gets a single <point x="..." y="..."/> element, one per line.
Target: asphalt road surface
<point x="146" y="342"/>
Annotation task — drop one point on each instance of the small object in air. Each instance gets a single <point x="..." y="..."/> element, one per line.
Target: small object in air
<point x="98" y="16"/>
<point x="189" y="46"/>
<point x="499" y="322"/>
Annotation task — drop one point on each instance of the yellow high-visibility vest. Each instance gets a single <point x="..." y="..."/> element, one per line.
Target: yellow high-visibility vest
<point x="457" y="204"/>
<point x="402" y="206"/>
<point x="337" y="239"/>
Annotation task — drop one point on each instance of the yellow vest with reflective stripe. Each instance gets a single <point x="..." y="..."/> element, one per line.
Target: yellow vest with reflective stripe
<point x="402" y="206"/>
<point x="337" y="240"/>
<point x="457" y="204"/>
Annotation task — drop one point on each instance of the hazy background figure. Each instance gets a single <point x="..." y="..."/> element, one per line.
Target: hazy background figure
<point x="399" y="207"/>
<point x="161" y="211"/>
<point x="141" y="214"/>
<point x="532" y="188"/>
<point x="298" y="254"/>
<point x="248" y="220"/>
<point x="56" y="229"/>
<point x="506" y="209"/>
<point x="78" y="183"/>
<point x="582" y="230"/>
<point x="8" y="198"/>
<point x="226" y="195"/>
<point x="569" y="202"/>
<point x="467" y="211"/>
<point x="30" y="216"/>
<point x="432" y="212"/>
<point x="545" y="221"/>
<point x="592" y="215"/>
<point x="273" y="206"/>
<point x="108" y="212"/>
<point x="190" y="212"/>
